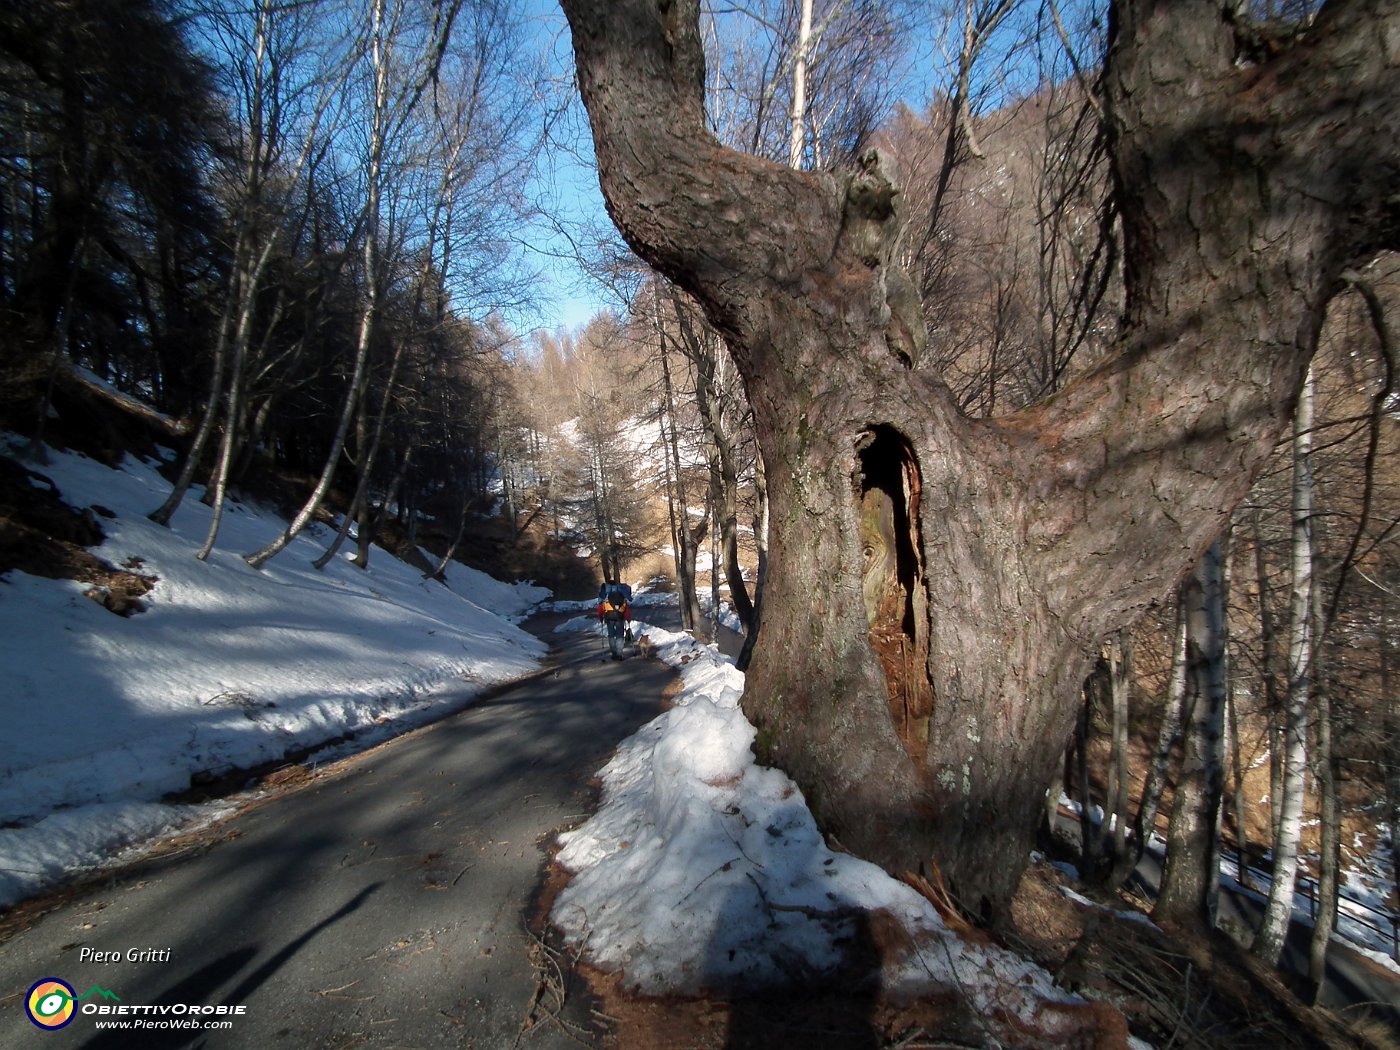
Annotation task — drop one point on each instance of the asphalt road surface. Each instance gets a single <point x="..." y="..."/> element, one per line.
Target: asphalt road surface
<point x="382" y="904"/>
<point x="1354" y="987"/>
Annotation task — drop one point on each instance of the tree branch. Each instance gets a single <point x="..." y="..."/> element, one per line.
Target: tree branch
<point x="699" y="213"/>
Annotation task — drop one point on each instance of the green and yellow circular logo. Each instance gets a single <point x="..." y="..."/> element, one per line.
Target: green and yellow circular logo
<point x="50" y="1003"/>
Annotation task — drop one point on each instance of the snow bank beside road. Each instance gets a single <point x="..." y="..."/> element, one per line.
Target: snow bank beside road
<point x="705" y="871"/>
<point x="228" y="666"/>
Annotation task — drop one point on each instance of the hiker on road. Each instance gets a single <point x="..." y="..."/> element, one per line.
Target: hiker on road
<point x="615" y="613"/>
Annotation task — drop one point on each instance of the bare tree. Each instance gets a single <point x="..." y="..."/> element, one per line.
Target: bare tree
<point x="1190" y="889"/>
<point x="277" y="40"/>
<point x="687" y="536"/>
<point x="799" y="87"/>
<point x="802" y="81"/>
<point x="722" y="414"/>
<point x="399" y="50"/>
<point x="1278" y="913"/>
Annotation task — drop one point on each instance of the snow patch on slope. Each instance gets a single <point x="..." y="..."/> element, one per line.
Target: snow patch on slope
<point x="227" y="668"/>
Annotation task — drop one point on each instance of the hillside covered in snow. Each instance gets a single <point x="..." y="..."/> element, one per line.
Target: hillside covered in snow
<point x="224" y="667"/>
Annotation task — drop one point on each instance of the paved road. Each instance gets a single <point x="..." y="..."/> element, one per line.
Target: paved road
<point x="381" y="905"/>
<point x="1354" y="986"/>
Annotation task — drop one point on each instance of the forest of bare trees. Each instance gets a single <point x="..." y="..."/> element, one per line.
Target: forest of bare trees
<point x="1038" y="428"/>
<point x="290" y="238"/>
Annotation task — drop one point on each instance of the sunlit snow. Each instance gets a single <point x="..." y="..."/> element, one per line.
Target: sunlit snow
<point x="704" y="870"/>
<point x="228" y="666"/>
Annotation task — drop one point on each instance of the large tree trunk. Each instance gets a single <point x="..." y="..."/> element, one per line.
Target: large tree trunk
<point x="922" y="695"/>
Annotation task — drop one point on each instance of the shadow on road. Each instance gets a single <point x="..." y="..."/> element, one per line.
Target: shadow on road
<point x="201" y="988"/>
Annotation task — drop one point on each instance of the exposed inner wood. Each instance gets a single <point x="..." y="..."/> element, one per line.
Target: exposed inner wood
<point x="892" y="582"/>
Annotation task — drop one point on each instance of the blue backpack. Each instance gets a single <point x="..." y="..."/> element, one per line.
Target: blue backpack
<point x="615" y="596"/>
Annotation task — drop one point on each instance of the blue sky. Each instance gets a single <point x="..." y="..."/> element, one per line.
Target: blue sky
<point x="565" y="186"/>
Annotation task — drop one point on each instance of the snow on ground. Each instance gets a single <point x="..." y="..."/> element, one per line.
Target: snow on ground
<point x="1366" y="895"/>
<point x="704" y="870"/>
<point x="641" y="599"/>
<point x="1363" y="922"/>
<point x="228" y="667"/>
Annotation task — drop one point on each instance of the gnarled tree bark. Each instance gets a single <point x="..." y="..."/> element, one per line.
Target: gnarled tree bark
<point x="1245" y="187"/>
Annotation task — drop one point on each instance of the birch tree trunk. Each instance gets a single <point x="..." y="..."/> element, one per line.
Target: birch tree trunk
<point x="207" y="421"/>
<point x="1190" y="890"/>
<point x="1273" y="703"/>
<point x="250" y="261"/>
<point x="266" y="78"/>
<point x="923" y="715"/>
<point x="1327" y="764"/>
<point x="378" y="135"/>
<point x="359" y="502"/>
<point x="1278" y="912"/>
<point x="439" y="570"/>
<point x="1120" y="666"/>
<point x="798" y="137"/>
<point x="1392" y="759"/>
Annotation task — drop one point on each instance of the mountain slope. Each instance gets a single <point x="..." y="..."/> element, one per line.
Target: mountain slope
<point x="112" y="703"/>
